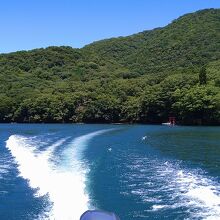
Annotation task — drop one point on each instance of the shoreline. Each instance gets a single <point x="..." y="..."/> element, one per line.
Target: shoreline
<point x="113" y="123"/>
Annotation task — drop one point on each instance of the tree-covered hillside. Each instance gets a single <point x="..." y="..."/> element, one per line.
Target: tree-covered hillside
<point x="146" y="77"/>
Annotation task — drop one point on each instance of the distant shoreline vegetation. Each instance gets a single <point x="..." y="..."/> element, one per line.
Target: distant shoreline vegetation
<point x="144" y="78"/>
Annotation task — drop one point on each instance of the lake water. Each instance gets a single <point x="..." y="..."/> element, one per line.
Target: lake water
<point x="139" y="171"/>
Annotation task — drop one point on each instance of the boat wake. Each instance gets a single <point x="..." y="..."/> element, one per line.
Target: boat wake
<point x="167" y="186"/>
<point x="63" y="184"/>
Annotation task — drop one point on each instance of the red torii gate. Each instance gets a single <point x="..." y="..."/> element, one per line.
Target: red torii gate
<point x="172" y="120"/>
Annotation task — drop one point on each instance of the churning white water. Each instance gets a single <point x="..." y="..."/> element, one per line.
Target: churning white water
<point x="64" y="184"/>
<point x="168" y="187"/>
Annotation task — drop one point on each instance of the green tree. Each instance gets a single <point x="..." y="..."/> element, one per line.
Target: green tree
<point x="202" y="76"/>
<point x="197" y="105"/>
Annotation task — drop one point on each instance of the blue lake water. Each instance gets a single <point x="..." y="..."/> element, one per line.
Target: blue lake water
<point x="139" y="171"/>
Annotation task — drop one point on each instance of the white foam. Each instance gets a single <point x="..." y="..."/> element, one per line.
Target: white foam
<point x="200" y="193"/>
<point x="158" y="207"/>
<point x="169" y="186"/>
<point x="144" y="138"/>
<point x="191" y="190"/>
<point x="65" y="185"/>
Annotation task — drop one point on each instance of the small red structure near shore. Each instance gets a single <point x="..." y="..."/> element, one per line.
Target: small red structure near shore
<point x="172" y="121"/>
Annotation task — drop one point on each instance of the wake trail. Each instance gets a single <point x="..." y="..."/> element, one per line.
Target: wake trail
<point x="64" y="184"/>
<point x="168" y="186"/>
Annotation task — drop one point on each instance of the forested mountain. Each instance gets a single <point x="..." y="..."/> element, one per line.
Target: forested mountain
<point x="146" y="77"/>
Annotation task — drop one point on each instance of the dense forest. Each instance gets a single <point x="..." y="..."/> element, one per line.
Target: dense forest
<point x="143" y="78"/>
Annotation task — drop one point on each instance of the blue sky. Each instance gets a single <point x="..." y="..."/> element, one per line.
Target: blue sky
<point x="28" y="24"/>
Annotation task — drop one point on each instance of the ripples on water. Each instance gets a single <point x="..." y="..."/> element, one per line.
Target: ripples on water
<point x="167" y="186"/>
<point x="137" y="171"/>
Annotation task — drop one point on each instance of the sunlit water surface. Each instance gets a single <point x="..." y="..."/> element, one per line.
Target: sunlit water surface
<point x="139" y="172"/>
